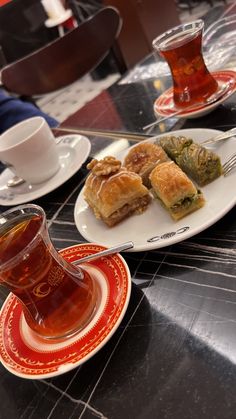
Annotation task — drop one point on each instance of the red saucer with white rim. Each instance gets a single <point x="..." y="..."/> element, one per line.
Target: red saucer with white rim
<point x="27" y="356"/>
<point x="164" y="104"/>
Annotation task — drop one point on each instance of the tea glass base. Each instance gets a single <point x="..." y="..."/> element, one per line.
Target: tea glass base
<point x="77" y="329"/>
<point x="205" y="98"/>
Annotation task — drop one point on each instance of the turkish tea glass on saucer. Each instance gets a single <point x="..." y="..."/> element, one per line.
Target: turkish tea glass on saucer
<point x="58" y="298"/>
<point x="181" y="46"/>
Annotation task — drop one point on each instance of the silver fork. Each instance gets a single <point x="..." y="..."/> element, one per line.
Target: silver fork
<point x="223" y="136"/>
<point x="229" y="165"/>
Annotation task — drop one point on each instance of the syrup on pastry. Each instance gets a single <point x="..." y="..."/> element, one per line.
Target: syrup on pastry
<point x="113" y="192"/>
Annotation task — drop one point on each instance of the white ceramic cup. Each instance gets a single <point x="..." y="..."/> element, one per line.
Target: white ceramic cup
<point x="30" y="147"/>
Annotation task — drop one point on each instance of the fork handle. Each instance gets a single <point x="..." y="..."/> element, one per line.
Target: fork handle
<point x="227" y="134"/>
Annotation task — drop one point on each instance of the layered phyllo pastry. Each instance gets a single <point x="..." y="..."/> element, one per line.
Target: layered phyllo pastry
<point x="202" y="165"/>
<point x="175" y="190"/>
<point x="143" y="158"/>
<point x="174" y="146"/>
<point x="113" y="192"/>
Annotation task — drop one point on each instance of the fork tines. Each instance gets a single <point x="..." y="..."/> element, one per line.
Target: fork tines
<point x="229" y="165"/>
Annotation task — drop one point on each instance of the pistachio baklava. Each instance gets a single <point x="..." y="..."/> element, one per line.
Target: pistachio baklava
<point x="174" y="146"/>
<point x="175" y="190"/>
<point x="201" y="164"/>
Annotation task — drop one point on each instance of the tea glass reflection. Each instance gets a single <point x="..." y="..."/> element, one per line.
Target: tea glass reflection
<point x="58" y="298"/>
<point x="181" y="46"/>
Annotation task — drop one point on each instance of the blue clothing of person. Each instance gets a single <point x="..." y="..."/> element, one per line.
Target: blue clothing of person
<point x="14" y="110"/>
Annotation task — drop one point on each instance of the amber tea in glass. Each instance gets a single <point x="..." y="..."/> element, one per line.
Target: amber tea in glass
<point x="58" y="298"/>
<point x="181" y="46"/>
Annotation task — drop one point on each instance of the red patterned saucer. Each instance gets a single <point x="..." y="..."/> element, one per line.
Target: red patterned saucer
<point x="164" y="104"/>
<point x="24" y="355"/>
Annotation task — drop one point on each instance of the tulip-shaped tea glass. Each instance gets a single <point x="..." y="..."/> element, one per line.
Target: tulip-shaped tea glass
<point x="181" y="46"/>
<point x="58" y="298"/>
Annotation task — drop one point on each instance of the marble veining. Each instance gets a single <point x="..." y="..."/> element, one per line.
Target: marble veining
<point x="173" y="355"/>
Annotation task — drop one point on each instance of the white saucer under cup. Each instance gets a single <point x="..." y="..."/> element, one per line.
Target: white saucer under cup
<point x="73" y="151"/>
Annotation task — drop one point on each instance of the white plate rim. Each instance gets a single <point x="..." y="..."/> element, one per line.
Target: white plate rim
<point x="165" y="241"/>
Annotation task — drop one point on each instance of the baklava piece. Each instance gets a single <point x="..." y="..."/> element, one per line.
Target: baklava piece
<point x="174" y="146"/>
<point x="113" y="192"/>
<point x="175" y="190"/>
<point x="143" y="158"/>
<point x="202" y="165"/>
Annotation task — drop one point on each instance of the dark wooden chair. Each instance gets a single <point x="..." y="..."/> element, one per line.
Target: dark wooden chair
<point x="66" y="59"/>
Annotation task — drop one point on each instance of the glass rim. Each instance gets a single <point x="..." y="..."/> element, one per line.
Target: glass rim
<point x="197" y="24"/>
<point x="19" y="255"/>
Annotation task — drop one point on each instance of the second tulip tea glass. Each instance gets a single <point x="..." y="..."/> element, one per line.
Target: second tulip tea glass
<point x="181" y="46"/>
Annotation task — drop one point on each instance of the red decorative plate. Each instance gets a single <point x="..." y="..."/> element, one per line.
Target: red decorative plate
<point x="164" y="104"/>
<point x="24" y="355"/>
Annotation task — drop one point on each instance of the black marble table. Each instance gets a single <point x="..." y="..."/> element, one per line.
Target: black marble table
<point x="174" y="354"/>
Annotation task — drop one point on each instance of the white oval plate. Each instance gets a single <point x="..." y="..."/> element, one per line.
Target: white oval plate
<point x="73" y="152"/>
<point x="154" y="228"/>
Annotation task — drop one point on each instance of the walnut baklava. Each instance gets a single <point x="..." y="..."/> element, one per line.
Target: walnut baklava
<point x="113" y="192"/>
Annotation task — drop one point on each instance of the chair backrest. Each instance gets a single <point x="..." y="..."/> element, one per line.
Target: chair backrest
<point x="66" y="59"/>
